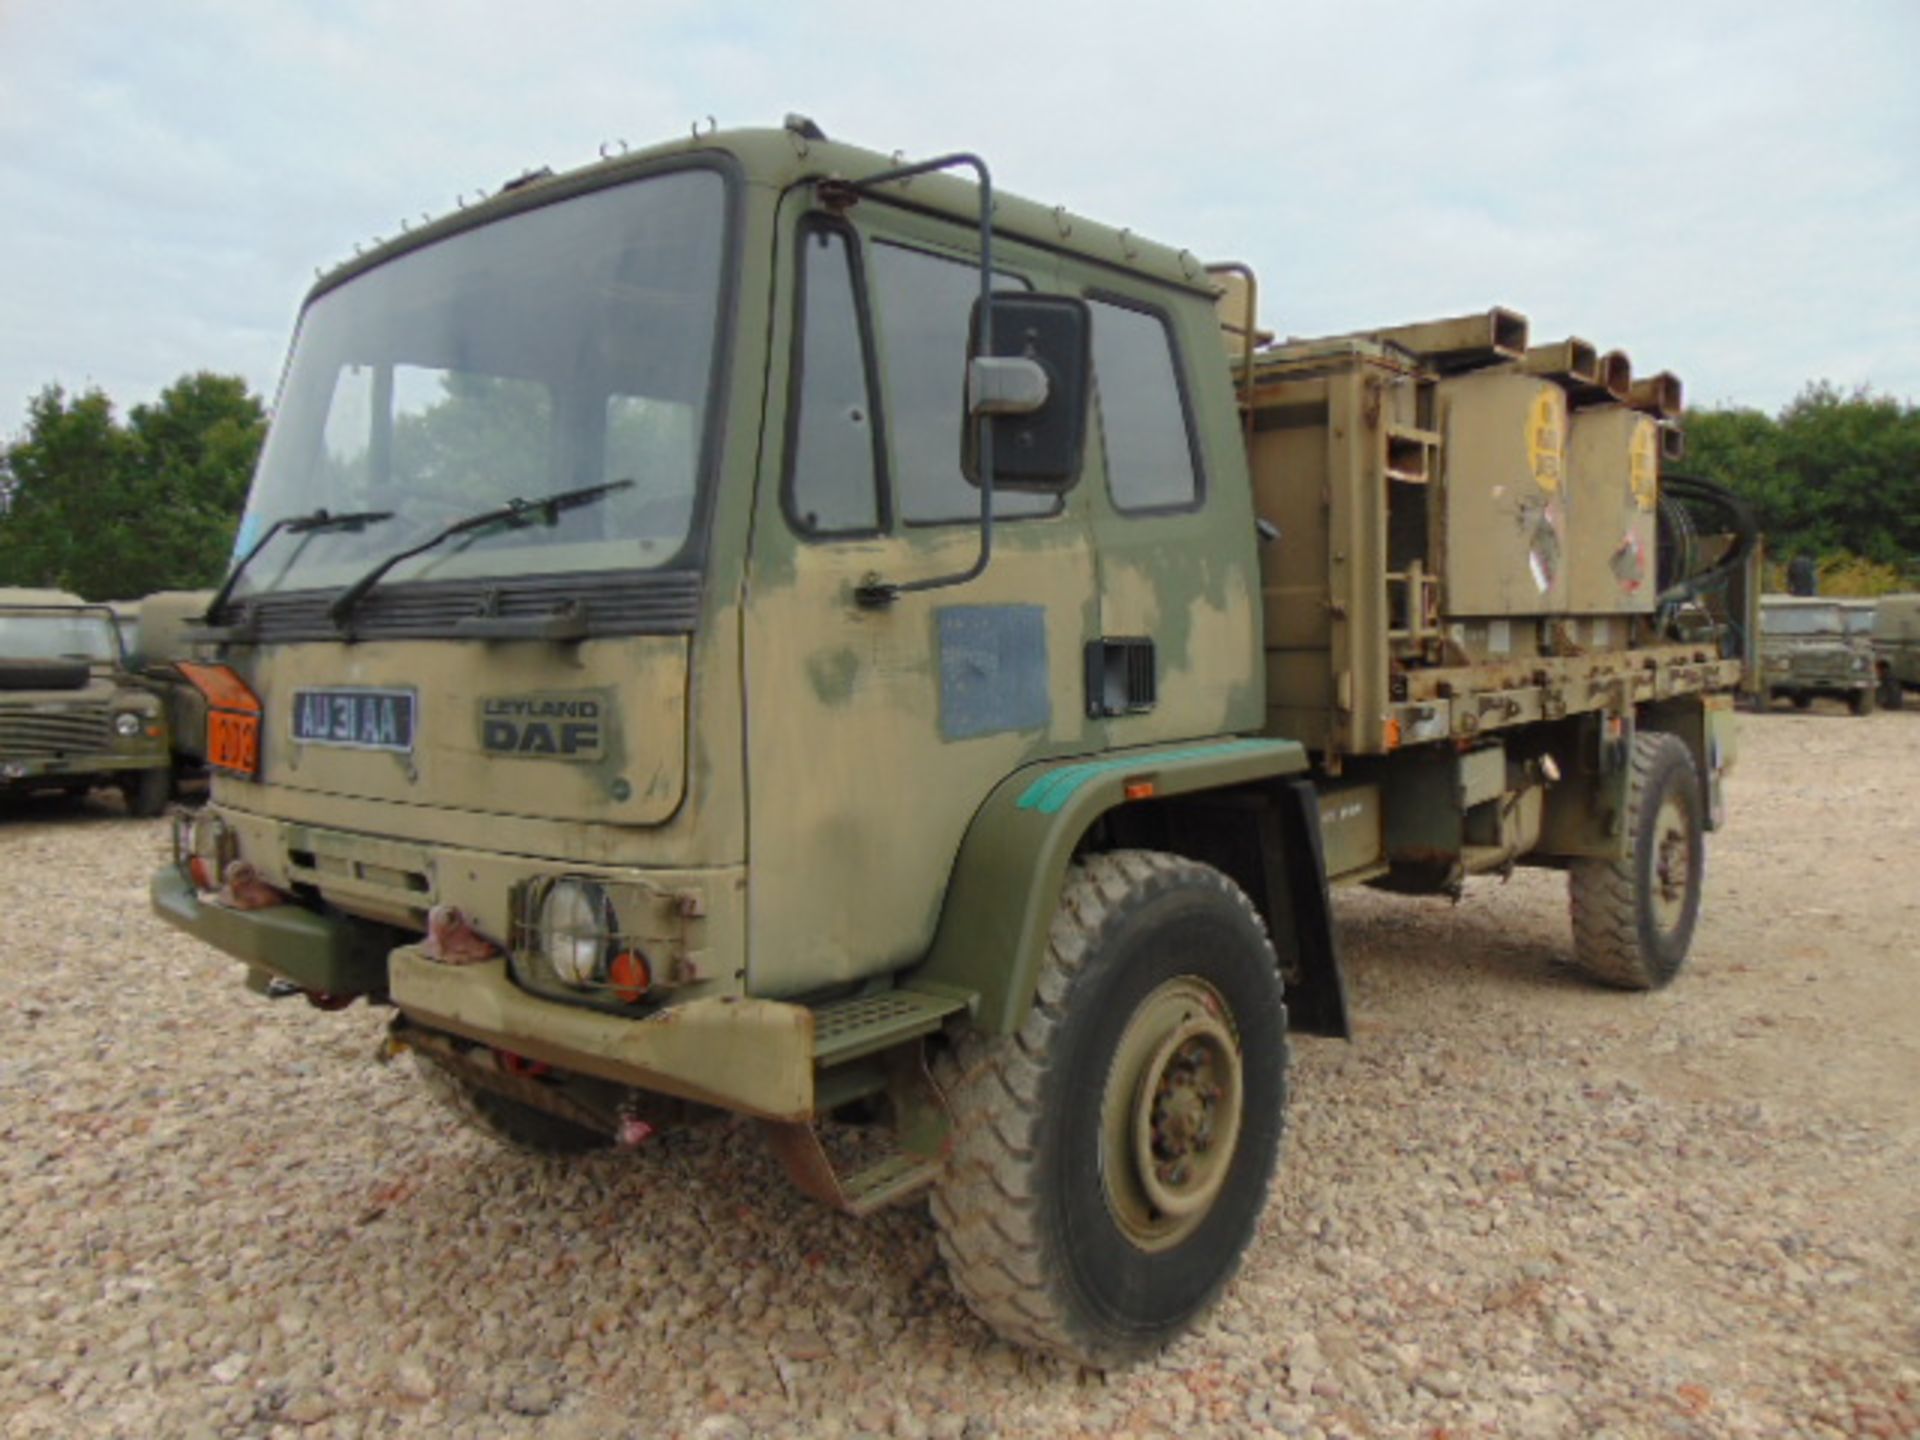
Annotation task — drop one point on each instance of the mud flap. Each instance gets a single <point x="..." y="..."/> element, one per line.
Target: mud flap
<point x="1317" y="989"/>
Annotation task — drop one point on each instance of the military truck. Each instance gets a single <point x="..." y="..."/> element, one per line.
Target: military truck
<point x="755" y="625"/>
<point x="72" y="717"/>
<point x="155" y="633"/>
<point x="1896" y="647"/>
<point x="1816" y="645"/>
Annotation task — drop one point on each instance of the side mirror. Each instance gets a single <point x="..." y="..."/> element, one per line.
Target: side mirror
<point x="1032" y="389"/>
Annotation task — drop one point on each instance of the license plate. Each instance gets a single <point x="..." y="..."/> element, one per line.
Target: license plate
<point x="360" y="719"/>
<point x="233" y="742"/>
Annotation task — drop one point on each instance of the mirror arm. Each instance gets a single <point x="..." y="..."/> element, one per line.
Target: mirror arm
<point x="873" y="592"/>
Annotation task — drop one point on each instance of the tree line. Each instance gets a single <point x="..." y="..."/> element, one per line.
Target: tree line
<point x="114" y="509"/>
<point x="1834" y="477"/>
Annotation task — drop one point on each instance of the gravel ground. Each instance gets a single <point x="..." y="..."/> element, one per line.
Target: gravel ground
<point x="1514" y="1206"/>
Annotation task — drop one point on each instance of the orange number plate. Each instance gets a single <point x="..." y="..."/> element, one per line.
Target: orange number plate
<point x="233" y="742"/>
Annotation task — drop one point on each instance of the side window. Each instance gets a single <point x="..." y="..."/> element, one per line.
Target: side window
<point x="1143" y="418"/>
<point x="832" y="476"/>
<point x="924" y="303"/>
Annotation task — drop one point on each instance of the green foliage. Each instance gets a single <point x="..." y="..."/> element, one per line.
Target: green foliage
<point x="1834" y="475"/>
<point x="117" y="510"/>
<point x="1844" y="576"/>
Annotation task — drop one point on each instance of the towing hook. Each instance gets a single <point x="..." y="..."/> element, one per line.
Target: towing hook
<point x="278" y="989"/>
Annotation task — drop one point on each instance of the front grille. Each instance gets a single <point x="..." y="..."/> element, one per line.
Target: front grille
<point x="50" y="734"/>
<point x="648" y="603"/>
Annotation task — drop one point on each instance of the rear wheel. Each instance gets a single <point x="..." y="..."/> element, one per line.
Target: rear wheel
<point x="1633" y="918"/>
<point x="511" y="1122"/>
<point x="1801" y="699"/>
<point x="1112" y="1158"/>
<point x="1892" y="697"/>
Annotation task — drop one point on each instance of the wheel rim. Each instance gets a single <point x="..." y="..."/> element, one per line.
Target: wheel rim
<point x="1170" y="1114"/>
<point x="1672" y="875"/>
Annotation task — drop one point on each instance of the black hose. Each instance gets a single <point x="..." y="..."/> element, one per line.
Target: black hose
<point x="1690" y="508"/>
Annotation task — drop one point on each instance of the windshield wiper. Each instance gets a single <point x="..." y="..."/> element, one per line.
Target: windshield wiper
<point x="515" y="514"/>
<point x="293" y="525"/>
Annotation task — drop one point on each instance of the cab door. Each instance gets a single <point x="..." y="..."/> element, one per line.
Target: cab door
<point x="1167" y="495"/>
<point x="876" y="731"/>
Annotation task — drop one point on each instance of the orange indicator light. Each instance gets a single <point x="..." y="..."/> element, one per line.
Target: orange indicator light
<point x="630" y="976"/>
<point x="1140" y="789"/>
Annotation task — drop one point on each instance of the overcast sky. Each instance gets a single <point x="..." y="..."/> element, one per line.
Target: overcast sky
<point x="1727" y="190"/>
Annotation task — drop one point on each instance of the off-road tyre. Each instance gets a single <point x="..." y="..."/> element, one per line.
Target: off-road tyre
<point x="1860" y="702"/>
<point x="44" y="674"/>
<point x="1892" y="695"/>
<point x="1801" y="699"/>
<point x="1047" y="1232"/>
<point x="148" y="791"/>
<point x="1633" y="918"/>
<point x="508" y="1121"/>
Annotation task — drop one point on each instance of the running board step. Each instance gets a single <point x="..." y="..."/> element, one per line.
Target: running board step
<point x="922" y="1133"/>
<point x="886" y="1181"/>
<point x="866" y="1024"/>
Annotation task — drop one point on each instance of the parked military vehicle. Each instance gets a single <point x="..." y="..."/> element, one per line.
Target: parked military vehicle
<point x="72" y="716"/>
<point x="1816" y="645"/>
<point x="156" y="634"/>
<point x="1896" y="647"/>
<point x="753" y="625"/>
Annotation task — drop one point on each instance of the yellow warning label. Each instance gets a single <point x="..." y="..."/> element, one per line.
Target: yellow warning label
<point x="1643" y="465"/>
<point x="1547" y="436"/>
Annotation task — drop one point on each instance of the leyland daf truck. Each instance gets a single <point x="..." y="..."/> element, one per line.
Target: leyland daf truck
<point x="755" y="625"/>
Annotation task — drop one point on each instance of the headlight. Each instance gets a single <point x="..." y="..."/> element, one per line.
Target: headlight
<point x="576" y="930"/>
<point x="126" y="724"/>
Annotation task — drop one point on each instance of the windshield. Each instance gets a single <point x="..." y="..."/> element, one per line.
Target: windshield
<point x="561" y="347"/>
<point x="1859" y="619"/>
<point x="1801" y="620"/>
<point x="58" y="635"/>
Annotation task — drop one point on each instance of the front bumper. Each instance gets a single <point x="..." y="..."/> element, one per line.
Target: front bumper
<point x="29" y="772"/>
<point x="753" y="1056"/>
<point x="287" y="942"/>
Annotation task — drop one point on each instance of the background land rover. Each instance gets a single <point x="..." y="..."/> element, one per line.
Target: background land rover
<point x="1896" y="647"/>
<point x="998" y="813"/>
<point x="72" y="716"/>
<point x="155" y="636"/>
<point x="1813" y="646"/>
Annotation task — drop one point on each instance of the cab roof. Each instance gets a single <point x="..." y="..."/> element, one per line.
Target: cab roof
<point x="780" y="158"/>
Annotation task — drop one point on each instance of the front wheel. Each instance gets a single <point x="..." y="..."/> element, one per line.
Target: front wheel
<point x="148" y="792"/>
<point x="1112" y="1158"/>
<point x="1633" y="918"/>
<point x="1860" y="702"/>
<point x="1891" y="695"/>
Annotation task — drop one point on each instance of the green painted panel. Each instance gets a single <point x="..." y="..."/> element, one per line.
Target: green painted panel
<point x="1052" y="791"/>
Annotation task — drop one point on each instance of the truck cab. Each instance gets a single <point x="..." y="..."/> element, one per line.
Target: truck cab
<point x="72" y="716"/>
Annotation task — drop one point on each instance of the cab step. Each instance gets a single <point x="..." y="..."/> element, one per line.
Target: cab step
<point x="866" y="1024"/>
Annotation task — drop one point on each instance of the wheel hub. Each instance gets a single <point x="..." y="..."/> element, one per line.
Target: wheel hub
<point x="1672" y="864"/>
<point x="1171" y="1113"/>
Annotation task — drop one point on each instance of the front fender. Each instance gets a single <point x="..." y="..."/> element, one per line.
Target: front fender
<point x="1006" y="882"/>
